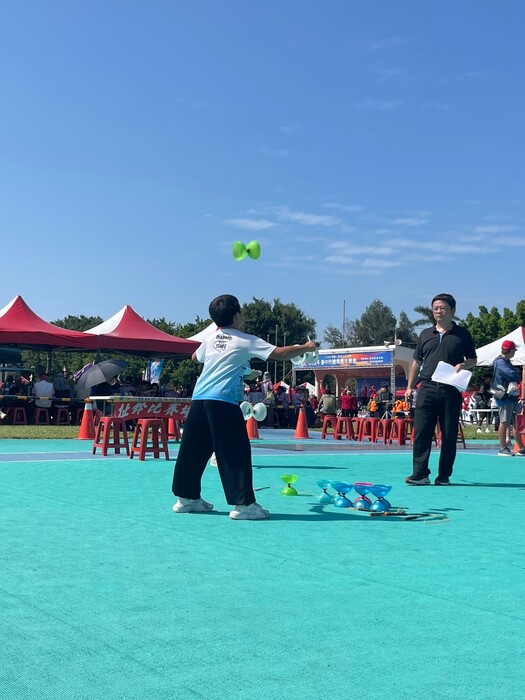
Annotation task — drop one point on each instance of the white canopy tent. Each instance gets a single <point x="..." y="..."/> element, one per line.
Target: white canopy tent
<point x="488" y="353"/>
<point x="309" y="386"/>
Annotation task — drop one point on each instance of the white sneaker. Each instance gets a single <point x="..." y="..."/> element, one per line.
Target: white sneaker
<point x="479" y="430"/>
<point x="252" y="512"/>
<point x="192" y="505"/>
<point x="2" y="415"/>
<point x="487" y="430"/>
<point x="213" y="460"/>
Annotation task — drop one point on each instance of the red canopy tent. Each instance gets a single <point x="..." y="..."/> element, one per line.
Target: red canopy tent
<point x="21" y="326"/>
<point x="128" y="332"/>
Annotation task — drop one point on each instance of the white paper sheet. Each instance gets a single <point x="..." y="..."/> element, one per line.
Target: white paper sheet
<point x="446" y="374"/>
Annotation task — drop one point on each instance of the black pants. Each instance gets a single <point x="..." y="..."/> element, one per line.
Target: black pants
<point x="215" y="426"/>
<point x="436" y="402"/>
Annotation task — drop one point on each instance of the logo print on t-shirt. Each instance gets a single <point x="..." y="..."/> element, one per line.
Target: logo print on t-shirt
<point x="221" y="341"/>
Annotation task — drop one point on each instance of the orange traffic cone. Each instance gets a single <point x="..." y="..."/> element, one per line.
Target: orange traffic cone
<point x="252" y="428"/>
<point x="173" y="429"/>
<point x="87" y="427"/>
<point x="301" y="429"/>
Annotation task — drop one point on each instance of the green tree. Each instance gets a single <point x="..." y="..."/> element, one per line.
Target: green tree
<point x="280" y="324"/>
<point x="488" y="326"/>
<point x="333" y="337"/>
<point x="485" y="327"/>
<point x="427" y="316"/>
<point x="520" y="312"/>
<point x="183" y="372"/>
<point x="376" y="325"/>
<point x="263" y="317"/>
<point x="405" y="330"/>
<point x="78" y="323"/>
<point x="508" y="322"/>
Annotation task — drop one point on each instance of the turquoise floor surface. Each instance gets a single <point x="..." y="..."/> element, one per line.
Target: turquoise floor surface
<point x="105" y="592"/>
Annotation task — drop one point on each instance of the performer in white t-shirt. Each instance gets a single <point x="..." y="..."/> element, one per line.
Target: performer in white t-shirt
<point x="215" y="422"/>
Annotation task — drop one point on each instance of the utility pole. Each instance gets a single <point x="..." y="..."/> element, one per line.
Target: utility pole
<point x="392" y="346"/>
<point x="275" y="363"/>
<point x="343" y="331"/>
<point x="393" y="369"/>
<point x="284" y="361"/>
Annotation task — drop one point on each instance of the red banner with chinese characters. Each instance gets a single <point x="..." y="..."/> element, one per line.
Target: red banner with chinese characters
<point x="132" y="408"/>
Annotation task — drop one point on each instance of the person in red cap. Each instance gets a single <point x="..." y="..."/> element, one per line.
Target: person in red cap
<point x="508" y="377"/>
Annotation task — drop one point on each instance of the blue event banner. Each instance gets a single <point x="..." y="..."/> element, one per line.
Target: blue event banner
<point x="350" y="360"/>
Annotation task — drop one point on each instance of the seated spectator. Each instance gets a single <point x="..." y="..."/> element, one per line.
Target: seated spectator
<point x="7" y="384"/>
<point x="115" y="385"/>
<point x="16" y="388"/>
<point x="282" y="404"/>
<point x="154" y="389"/>
<point x="61" y="386"/>
<point x="143" y="388"/>
<point x="43" y="391"/>
<point x="127" y="389"/>
<point x="328" y="404"/>
<point x="169" y="391"/>
<point x="311" y="417"/>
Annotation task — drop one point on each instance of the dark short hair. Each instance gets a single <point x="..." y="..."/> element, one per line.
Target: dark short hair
<point x="223" y="309"/>
<point x="448" y="298"/>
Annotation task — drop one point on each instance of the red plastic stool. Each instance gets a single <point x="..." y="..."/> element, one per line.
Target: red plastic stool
<point x="383" y="430"/>
<point x="62" y="416"/>
<point x="78" y="415"/>
<point x="18" y="415"/>
<point x="460" y="438"/>
<point x="110" y="427"/>
<point x="328" y="421"/>
<point x="413" y="434"/>
<point x="398" y="431"/>
<point x="368" y="429"/>
<point x="344" y="427"/>
<point x="41" y="416"/>
<point x="157" y="428"/>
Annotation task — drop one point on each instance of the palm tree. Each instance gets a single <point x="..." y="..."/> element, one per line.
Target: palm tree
<point x="428" y="316"/>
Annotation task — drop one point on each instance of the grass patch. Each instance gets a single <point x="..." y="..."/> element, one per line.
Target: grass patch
<point x="42" y="432"/>
<point x="39" y="432"/>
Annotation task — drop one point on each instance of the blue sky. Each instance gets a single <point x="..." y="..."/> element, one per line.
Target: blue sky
<point x="375" y="149"/>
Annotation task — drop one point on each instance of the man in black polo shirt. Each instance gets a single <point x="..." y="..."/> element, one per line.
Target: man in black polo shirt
<point x="452" y="344"/>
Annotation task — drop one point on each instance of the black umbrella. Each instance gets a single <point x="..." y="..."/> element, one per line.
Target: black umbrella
<point x="101" y="372"/>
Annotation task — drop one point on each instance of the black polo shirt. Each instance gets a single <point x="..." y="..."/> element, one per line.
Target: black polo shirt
<point x="452" y="347"/>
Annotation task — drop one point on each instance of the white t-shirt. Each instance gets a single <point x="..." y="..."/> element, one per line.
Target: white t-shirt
<point x="43" y="388"/>
<point x="226" y="353"/>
